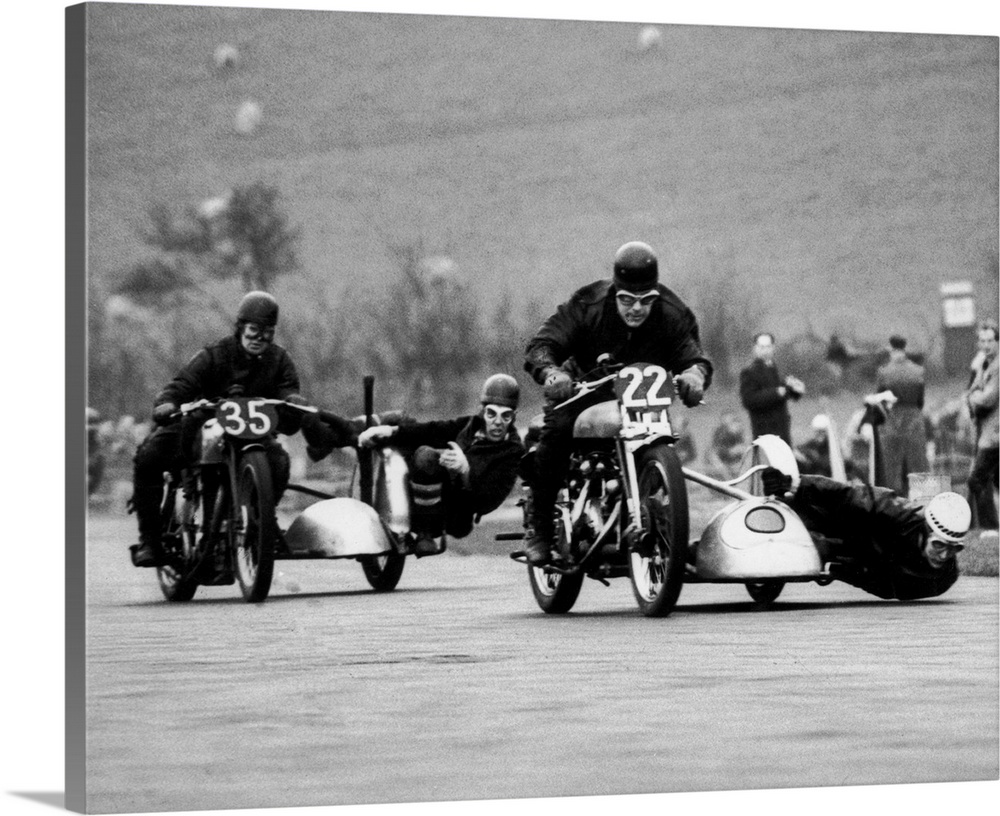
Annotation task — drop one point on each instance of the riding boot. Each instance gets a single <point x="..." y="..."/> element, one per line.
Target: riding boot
<point x="146" y="501"/>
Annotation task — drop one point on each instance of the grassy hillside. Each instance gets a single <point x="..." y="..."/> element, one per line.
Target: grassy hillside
<point x="836" y="178"/>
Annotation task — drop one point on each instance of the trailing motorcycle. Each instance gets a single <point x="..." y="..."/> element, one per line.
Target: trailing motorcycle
<point x="622" y="509"/>
<point x="218" y="514"/>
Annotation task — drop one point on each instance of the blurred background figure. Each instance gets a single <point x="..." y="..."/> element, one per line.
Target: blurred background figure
<point x="903" y="435"/>
<point x="729" y="443"/>
<point x="982" y="398"/>
<point x="685" y="446"/>
<point x="858" y="441"/>
<point x="813" y="455"/>
<point x="95" y="451"/>
<point x="765" y="393"/>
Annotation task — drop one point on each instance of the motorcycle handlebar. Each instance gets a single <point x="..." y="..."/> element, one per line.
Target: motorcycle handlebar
<point x="207" y="405"/>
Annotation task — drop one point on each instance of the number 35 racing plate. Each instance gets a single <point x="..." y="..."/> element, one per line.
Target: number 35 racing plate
<point x="247" y="418"/>
<point x="644" y="387"/>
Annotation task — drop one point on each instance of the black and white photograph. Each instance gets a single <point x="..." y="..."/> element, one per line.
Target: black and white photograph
<point x="513" y="407"/>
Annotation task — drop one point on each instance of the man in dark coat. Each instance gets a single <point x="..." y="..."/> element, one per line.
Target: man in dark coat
<point x="460" y="469"/>
<point x="765" y="393"/>
<point x="247" y="362"/>
<point x="897" y="548"/>
<point x="631" y="317"/>
<point x="903" y="435"/>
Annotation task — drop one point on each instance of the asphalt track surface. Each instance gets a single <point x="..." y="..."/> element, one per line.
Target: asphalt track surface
<point x="456" y="686"/>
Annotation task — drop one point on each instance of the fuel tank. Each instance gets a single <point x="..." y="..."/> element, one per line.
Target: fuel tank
<point x="601" y="421"/>
<point x="755" y="539"/>
<point x="338" y="528"/>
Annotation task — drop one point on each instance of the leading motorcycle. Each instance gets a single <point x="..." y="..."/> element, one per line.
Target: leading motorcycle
<point x="623" y="507"/>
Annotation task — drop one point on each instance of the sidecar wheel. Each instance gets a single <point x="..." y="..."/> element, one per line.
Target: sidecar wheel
<point x="175" y="540"/>
<point x="383" y="571"/>
<point x="255" y="527"/>
<point x="657" y="569"/>
<point x="765" y="592"/>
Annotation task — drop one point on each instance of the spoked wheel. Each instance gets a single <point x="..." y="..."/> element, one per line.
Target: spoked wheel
<point x="175" y="576"/>
<point x="765" y="592"/>
<point x="254" y="527"/>
<point x="555" y="593"/>
<point x="657" y="567"/>
<point x="383" y="571"/>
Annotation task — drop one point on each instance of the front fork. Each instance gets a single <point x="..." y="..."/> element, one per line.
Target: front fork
<point x="627" y="449"/>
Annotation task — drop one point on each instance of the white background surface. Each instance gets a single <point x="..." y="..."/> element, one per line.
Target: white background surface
<point x="31" y="727"/>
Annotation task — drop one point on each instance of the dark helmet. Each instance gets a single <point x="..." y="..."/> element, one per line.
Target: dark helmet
<point x="258" y="307"/>
<point x="500" y="389"/>
<point x="636" y="269"/>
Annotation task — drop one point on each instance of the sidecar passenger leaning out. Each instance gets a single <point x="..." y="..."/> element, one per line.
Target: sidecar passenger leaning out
<point x="459" y="469"/>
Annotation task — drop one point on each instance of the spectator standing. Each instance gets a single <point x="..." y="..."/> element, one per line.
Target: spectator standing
<point x="982" y="398"/>
<point x="765" y="393"/>
<point x="903" y="436"/>
<point x="729" y="443"/>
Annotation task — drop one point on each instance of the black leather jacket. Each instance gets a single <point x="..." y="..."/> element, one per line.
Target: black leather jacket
<point x="885" y="532"/>
<point x="588" y="325"/>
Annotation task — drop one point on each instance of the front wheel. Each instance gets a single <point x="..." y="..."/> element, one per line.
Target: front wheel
<point x="657" y="564"/>
<point x="383" y="571"/>
<point x="255" y="526"/>
<point x="178" y="515"/>
<point x="555" y="592"/>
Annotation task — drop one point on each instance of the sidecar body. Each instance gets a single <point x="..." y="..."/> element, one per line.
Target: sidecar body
<point x="752" y="540"/>
<point x="338" y="528"/>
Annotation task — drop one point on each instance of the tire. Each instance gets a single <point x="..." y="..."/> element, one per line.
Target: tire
<point x="255" y="527"/>
<point x="657" y="578"/>
<point x="765" y="592"/>
<point x="555" y="593"/>
<point x="383" y="571"/>
<point x="176" y="576"/>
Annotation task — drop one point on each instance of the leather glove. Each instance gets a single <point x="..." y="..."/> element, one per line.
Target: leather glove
<point x="775" y="482"/>
<point x="370" y="437"/>
<point x="163" y="412"/>
<point x="691" y="386"/>
<point x="558" y="385"/>
<point x="455" y="461"/>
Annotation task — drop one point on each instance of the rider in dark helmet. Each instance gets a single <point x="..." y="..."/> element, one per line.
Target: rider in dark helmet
<point x="633" y="318"/>
<point x="460" y="469"/>
<point x="247" y="362"/>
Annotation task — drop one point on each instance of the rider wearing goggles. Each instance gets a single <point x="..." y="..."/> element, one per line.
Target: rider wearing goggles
<point x="460" y="469"/>
<point x="632" y="318"/>
<point x="247" y="361"/>
<point x="907" y="551"/>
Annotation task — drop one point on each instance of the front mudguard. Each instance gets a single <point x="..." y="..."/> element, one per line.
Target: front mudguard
<point x="339" y="528"/>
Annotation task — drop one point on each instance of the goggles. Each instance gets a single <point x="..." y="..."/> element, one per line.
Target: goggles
<point x="251" y="331"/>
<point x="942" y="546"/>
<point x="627" y="299"/>
<point x="491" y="413"/>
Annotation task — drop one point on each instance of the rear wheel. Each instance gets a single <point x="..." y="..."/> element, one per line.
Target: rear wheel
<point x="255" y="527"/>
<point x="765" y="592"/>
<point x="383" y="571"/>
<point x="657" y="565"/>
<point x="175" y="574"/>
